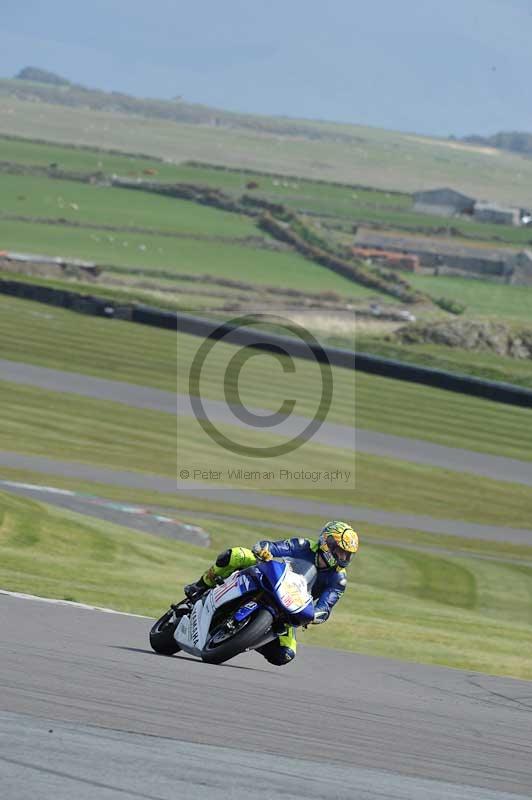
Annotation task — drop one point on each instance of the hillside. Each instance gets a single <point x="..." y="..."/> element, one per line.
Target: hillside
<point x="513" y="141"/>
<point x="33" y="83"/>
<point x="178" y="131"/>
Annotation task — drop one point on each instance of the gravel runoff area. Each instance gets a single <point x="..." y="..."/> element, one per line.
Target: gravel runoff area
<point x="88" y="710"/>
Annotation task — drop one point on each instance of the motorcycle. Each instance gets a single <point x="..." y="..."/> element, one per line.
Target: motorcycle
<point x="244" y="612"/>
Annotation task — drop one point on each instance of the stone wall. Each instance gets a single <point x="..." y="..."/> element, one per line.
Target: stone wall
<point x="521" y="269"/>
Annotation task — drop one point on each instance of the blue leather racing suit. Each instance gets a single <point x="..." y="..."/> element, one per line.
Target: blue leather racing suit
<point x="327" y="589"/>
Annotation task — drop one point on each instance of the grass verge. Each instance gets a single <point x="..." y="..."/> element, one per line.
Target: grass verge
<point x="112" y="435"/>
<point x="52" y="337"/>
<point x="277" y="523"/>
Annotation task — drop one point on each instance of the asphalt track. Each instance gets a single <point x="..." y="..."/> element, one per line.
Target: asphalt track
<point x="88" y="711"/>
<point x="343" y="436"/>
<point x="154" y="522"/>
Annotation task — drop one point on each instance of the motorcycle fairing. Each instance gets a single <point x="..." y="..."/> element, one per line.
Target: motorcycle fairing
<point x="290" y="589"/>
<point x="193" y="629"/>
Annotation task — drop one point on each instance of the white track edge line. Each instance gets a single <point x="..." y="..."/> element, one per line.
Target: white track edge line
<point x="55" y="601"/>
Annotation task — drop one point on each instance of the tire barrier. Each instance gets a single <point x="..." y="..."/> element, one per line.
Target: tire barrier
<point x="73" y="301"/>
<point x="201" y="326"/>
<point x="375" y="365"/>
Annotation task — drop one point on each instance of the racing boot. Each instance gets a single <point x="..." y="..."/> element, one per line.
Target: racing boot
<point x="193" y="591"/>
<point x="227" y="562"/>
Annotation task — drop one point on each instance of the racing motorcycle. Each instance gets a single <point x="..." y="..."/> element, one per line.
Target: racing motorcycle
<point x="246" y="611"/>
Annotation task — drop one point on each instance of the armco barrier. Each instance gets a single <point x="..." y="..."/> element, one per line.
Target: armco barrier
<point x="199" y="326"/>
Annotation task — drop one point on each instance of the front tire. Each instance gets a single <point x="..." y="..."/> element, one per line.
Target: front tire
<point x="162" y="632"/>
<point x="246" y="638"/>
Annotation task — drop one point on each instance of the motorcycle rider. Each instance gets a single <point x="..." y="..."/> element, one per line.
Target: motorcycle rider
<point x="330" y="554"/>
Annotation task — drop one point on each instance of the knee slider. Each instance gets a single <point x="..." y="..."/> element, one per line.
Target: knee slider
<point x="280" y="656"/>
<point x="286" y="654"/>
<point x="224" y="558"/>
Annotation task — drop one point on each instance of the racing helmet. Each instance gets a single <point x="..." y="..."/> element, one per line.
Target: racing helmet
<point x="338" y="542"/>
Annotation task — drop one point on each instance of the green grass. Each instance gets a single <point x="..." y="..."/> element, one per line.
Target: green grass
<point x="111" y="435"/>
<point x="52" y="337"/>
<point x="98" y="205"/>
<point x="151" y="252"/>
<point x="491" y="235"/>
<point x="32" y="153"/>
<point x="357" y="205"/>
<point x="446" y="418"/>
<point x="277" y="523"/>
<point x="459" y="612"/>
<point x="91" y="431"/>
<point x="480" y="297"/>
<point x="314" y="195"/>
<point x="364" y="156"/>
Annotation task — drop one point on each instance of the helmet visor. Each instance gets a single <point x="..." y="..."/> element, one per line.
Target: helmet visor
<point x="343" y="557"/>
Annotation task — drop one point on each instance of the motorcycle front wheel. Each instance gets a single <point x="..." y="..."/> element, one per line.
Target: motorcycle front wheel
<point x="162" y="632"/>
<point x="224" y="643"/>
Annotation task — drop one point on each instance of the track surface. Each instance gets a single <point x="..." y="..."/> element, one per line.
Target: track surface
<point x="87" y="710"/>
<point x="156" y="483"/>
<point x="413" y="450"/>
<point x="134" y="517"/>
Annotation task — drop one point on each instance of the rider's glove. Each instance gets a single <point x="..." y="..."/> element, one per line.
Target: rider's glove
<point x="261" y="551"/>
<point x="319" y="617"/>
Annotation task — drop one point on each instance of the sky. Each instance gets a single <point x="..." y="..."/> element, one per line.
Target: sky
<point x="439" y="68"/>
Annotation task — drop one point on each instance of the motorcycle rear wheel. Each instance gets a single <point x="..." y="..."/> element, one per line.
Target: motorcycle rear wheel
<point x="216" y="652"/>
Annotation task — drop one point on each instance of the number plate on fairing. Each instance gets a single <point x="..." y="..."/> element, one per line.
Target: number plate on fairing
<point x="293" y="591"/>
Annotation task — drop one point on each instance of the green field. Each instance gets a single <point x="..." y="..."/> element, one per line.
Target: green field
<point x="110" y="206"/>
<point x="457" y="611"/>
<point x="150" y="252"/>
<point x="482" y="298"/>
<point x="356" y="205"/>
<point x="325" y="197"/>
<point x="362" y="156"/>
<point x="74" y="159"/>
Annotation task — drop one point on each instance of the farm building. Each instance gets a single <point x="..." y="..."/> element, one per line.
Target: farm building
<point x="445" y="202"/>
<point x="387" y="258"/>
<point x="489" y="212"/>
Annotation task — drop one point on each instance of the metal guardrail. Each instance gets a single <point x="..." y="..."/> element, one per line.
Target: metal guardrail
<point x="266" y="340"/>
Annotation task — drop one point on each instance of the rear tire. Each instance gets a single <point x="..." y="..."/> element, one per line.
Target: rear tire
<point x="162" y="632"/>
<point x="244" y="639"/>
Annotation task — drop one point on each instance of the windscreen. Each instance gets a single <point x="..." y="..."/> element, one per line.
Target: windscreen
<point x="308" y="571"/>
